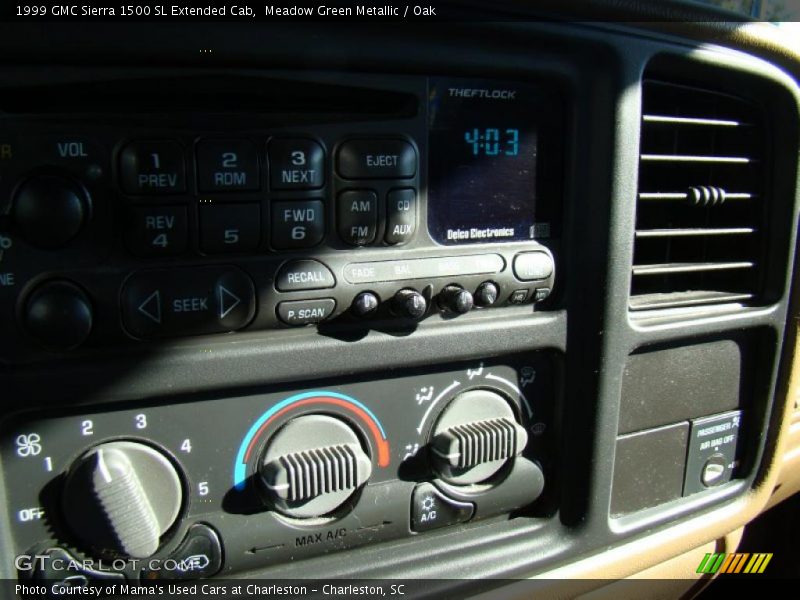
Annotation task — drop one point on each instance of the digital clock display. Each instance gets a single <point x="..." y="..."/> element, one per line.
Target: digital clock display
<point x="493" y="141"/>
<point x="483" y="156"/>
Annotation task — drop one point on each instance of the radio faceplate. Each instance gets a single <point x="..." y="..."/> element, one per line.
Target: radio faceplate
<point x="180" y="219"/>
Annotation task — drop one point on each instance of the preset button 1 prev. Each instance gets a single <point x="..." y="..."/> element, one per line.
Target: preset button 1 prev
<point x="192" y="301"/>
<point x="306" y="312"/>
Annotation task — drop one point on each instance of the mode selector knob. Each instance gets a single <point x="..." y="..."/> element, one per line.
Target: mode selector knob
<point x="313" y="466"/>
<point x="476" y="435"/>
<point x="121" y="497"/>
<point x="49" y="210"/>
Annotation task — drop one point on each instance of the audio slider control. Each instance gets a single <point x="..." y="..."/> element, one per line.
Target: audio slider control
<point x="424" y="268"/>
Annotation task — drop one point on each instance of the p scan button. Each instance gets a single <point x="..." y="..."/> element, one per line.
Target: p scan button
<point x="306" y="312"/>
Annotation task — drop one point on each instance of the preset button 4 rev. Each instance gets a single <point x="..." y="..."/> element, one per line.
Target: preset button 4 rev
<point x="157" y="230"/>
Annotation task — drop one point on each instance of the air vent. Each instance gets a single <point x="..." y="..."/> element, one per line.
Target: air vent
<point x="700" y="210"/>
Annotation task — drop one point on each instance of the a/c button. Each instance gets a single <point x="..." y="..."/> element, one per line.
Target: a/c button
<point x="431" y="509"/>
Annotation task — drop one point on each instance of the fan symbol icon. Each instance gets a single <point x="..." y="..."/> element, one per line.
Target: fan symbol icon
<point x="28" y="445"/>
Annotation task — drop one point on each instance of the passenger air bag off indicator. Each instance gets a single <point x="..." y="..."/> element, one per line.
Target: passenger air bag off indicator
<point x="713" y="455"/>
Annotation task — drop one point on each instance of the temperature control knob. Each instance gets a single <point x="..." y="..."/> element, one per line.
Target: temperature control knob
<point x="313" y="465"/>
<point x="121" y="497"/>
<point x="49" y="210"/>
<point x="476" y="435"/>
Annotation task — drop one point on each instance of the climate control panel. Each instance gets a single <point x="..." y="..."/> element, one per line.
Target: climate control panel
<point x="270" y="477"/>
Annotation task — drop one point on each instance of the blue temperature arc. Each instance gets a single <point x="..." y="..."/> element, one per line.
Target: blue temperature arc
<point x="240" y="467"/>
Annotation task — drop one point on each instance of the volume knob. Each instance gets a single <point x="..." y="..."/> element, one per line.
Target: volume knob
<point x="121" y="497"/>
<point x="50" y="210"/>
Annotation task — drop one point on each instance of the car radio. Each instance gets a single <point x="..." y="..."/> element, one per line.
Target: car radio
<point x="154" y="208"/>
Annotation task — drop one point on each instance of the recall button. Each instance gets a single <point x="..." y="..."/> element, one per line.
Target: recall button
<point x="306" y="312"/>
<point x="377" y="159"/>
<point x="305" y="274"/>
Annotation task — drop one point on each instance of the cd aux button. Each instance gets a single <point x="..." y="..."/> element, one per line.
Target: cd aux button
<point x="377" y="159"/>
<point x="401" y="216"/>
<point x="305" y="274"/>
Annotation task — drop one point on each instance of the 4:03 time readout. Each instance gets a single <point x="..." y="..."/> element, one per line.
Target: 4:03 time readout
<point x="492" y="141"/>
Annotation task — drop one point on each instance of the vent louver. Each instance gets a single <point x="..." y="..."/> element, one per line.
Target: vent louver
<point x="700" y="211"/>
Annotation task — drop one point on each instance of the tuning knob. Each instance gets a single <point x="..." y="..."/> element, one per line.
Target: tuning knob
<point x="312" y="466"/>
<point x="476" y="435"/>
<point x="49" y="210"/>
<point x="410" y="304"/>
<point x="456" y="299"/>
<point x="121" y="497"/>
<point x="59" y="315"/>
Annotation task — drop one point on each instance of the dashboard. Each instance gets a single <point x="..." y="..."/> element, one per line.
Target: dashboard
<point x="507" y="300"/>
